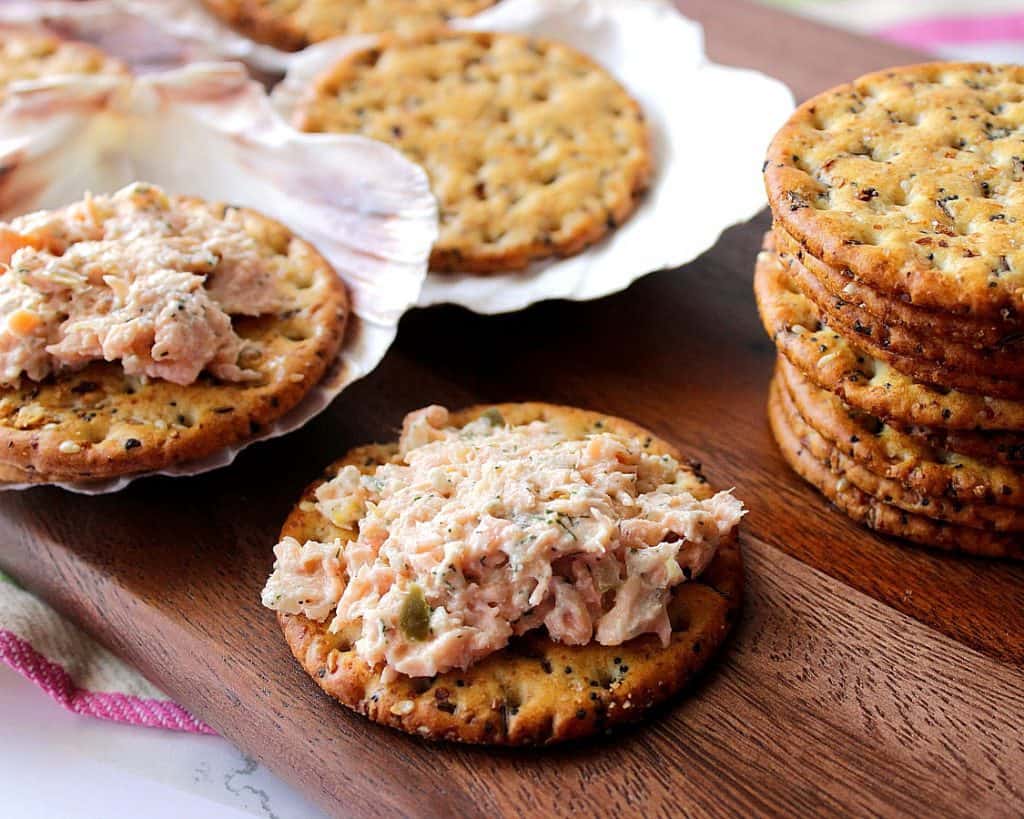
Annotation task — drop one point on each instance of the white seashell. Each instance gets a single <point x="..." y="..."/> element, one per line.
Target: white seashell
<point x="209" y="130"/>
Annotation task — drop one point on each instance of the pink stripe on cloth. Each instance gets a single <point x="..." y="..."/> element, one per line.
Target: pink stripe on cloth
<point x="924" y="33"/>
<point x="126" y="708"/>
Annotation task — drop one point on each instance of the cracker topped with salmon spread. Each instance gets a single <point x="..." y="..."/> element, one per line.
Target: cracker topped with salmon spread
<point x="140" y="330"/>
<point x="511" y="574"/>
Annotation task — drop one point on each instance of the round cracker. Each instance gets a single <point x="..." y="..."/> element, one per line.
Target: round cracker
<point x="993" y="448"/>
<point x="891" y="453"/>
<point x="908" y="178"/>
<point x="932" y="358"/>
<point x="36" y="56"/>
<point x="844" y="284"/>
<point x="533" y="150"/>
<point x="98" y="422"/>
<point x="975" y="514"/>
<point x="291" y="25"/>
<point x="863" y="381"/>
<point x="534" y="691"/>
<point x="878" y="515"/>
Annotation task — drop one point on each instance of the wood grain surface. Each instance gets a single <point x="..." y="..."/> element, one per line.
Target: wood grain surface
<point x="865" y="678"/>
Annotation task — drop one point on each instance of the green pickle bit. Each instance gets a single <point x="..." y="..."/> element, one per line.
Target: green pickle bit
<point x="414" y="616"/>
<point x="495" y="417"/>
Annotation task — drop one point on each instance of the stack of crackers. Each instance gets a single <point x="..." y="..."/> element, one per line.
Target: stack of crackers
<point x="892" y="283"/>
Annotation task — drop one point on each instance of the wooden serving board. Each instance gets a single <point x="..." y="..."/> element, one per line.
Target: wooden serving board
<point x="864" y="678"/>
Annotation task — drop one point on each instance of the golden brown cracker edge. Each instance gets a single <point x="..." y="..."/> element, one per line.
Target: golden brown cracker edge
<point x="99" y="423"/>
<point x="534" y="691"/>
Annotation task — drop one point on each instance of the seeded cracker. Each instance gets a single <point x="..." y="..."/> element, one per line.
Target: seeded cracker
<point x="842" y="284"/>
<point x="98" y="422"/>
<point x="892" y="453"/>
<point x="977" y="512"/>
<point x="878" y="515"/>
<point x="533" y="150"/>
<point x="534" y="691"/>
<point x="291" y="25"/>
<point x="983" y="334"/>
<point x="926" y="356"/>
<point x="908" y="177"/>
<point x="994" y="448"/>
<point x="863" y="381"/>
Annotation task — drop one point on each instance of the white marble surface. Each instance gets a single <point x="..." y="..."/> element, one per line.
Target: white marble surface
<point x="56" y="764"/>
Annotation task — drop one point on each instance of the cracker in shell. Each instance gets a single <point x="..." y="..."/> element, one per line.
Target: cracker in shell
<point x="95" y="421"/>
<point x="925" y="357"/>
<point x="908" y="177"/>
<point x="977" y="514"/>
<point x="534" y="690"/>
<point x="34" y="56"/>
<point x="291" y="25"/>
<point x="863" y="381"/>
<point x="533" y="150"/>
<point x="877" y="514"/>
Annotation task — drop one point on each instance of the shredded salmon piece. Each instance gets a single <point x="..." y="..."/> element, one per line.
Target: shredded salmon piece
<point x="11" y="241"/>
<point x="23" y="322"/>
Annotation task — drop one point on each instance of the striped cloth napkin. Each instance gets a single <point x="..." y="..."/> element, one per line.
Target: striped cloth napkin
<point x="991" y="30"/>
<point x="78" y="672"/>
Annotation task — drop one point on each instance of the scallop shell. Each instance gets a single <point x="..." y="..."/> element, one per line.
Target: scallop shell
<point x="209" y="130"/>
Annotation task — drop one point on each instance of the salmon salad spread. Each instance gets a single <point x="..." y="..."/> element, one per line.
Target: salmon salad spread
<point x="137" y="277"/>
<point x="473" y="535"/>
